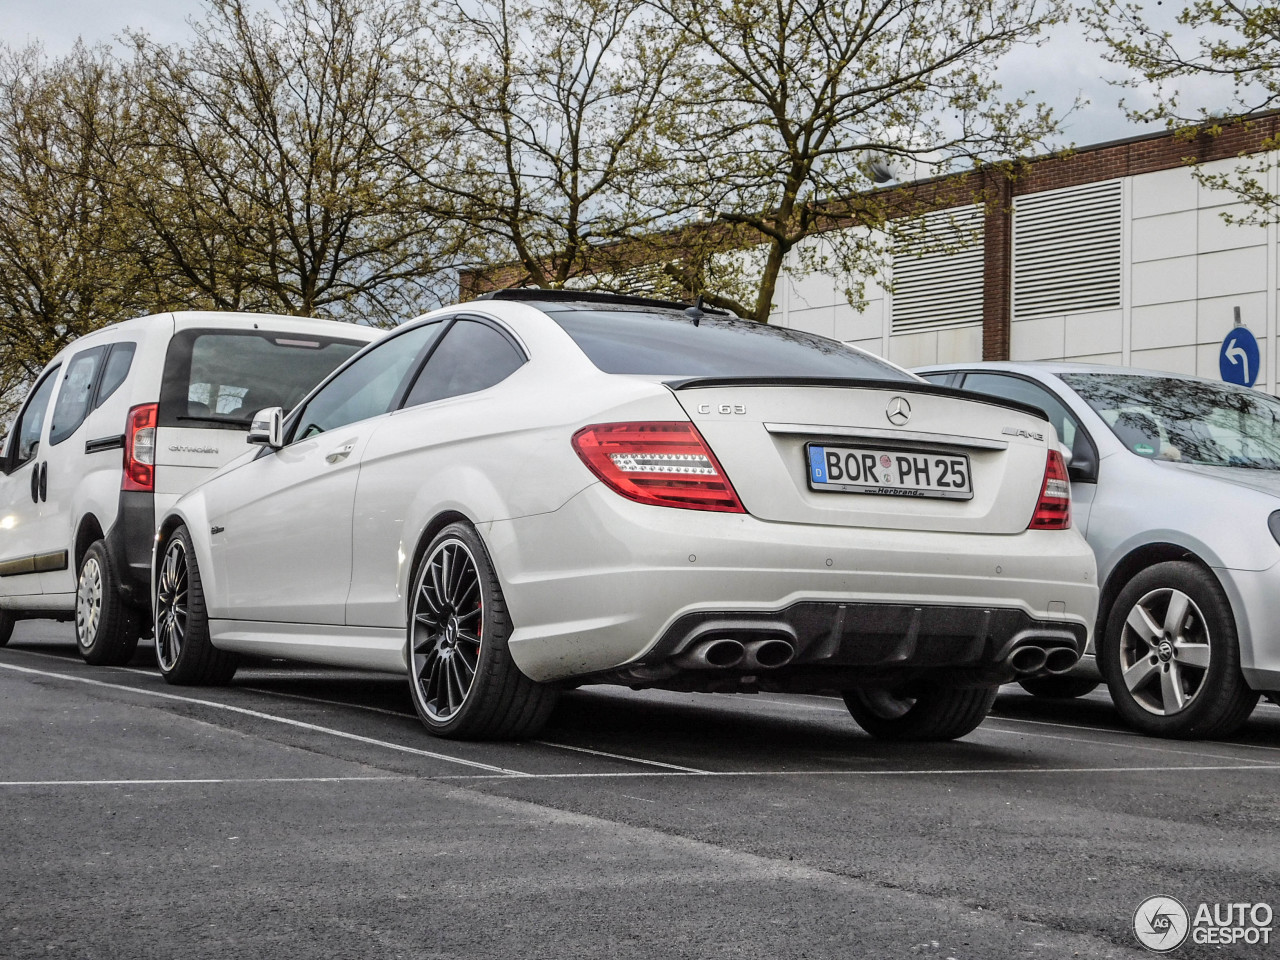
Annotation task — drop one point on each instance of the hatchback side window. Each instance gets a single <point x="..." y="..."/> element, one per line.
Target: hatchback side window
<point x="114" y="371"/>
<point x="473" y="356"/>
<point x="26" y="432"/>
<point x="76" y="396"/>
<point x="368" y="386"/>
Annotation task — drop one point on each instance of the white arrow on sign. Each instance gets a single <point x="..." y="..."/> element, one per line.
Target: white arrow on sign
<point x="1236" y="354"/>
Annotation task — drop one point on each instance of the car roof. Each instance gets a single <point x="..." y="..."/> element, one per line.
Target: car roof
<point x="1056" y="368"/>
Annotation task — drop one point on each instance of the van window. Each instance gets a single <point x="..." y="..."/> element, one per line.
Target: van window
<point x="26" y="432"/>
<point x="76" y="394"/>
<point x="216" y="378"/>
<point x="115" y="370"/>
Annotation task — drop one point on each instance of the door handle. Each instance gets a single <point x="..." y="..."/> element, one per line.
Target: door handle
<point x="35" y="483"/>
<point x="340" y="454"/>
<point x="44" y="480"/>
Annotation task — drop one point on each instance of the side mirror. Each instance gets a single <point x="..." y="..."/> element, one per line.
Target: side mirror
<point x="267" y="428"/>
<point x="1066" y="454"/>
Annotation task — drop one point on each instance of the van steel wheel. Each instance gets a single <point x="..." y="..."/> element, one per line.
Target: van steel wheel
<point x="932" y="712"/>
<point x="184" y="651"/>
<point x="106" y="627"/>
<point x="1170" y="655"/>
<point x="461" y="675"/>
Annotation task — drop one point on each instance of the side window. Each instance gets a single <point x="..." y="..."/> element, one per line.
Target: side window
<point x="367" y="387"/>
<point x="1015" y="388"/>
<point x="472" y="356"/>
<point x="26" y="432"/>
<point x="76" y="395"/>
<point x="114" y="371"/>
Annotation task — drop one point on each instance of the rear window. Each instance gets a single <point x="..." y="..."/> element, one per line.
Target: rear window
<point x="218" y="378"/>
<point x="670" y="343"/>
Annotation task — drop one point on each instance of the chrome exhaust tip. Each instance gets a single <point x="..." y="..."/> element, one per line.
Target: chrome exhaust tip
<point x="1028" y="659"/>
<point x="769" y="654"/>
<point x="1061" y="660"/>
<point x="717" y="654"/>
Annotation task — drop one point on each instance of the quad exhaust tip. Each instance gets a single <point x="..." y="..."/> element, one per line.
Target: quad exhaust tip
<point x="726" y="653"/>
<point x="1028" y="659"/>
<point x="1061" y="660"/>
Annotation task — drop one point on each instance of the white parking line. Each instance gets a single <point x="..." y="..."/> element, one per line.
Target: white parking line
<point x="400" y="748"/>
<point x="620" y="756"/>
<point x="545" y="743"/>
<point x="207" y="780"/>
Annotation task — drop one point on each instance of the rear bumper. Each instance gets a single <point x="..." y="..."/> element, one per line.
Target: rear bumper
<point x="130" y="542"/>
<point x="604" y="583"/>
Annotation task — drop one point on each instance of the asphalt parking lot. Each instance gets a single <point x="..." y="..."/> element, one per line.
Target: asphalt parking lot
<point x="305" y="813"/>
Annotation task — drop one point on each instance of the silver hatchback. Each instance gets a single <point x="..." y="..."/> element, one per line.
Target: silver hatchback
<point x="1176" y="484"/>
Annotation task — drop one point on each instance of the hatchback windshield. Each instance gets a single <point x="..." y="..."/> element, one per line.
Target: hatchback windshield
<point x="1168" y="418"/>
<point x="672" y="343"/>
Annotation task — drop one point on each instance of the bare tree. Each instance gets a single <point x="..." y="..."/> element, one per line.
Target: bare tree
<point x="68" y="248"/>
<point x="554" y="114"/>
<point x="1227" y="49"/>
<point x="798" y="104"/>
<point x="271" y="146"/>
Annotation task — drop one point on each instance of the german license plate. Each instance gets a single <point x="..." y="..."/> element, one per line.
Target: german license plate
<point x="894" y="473"/>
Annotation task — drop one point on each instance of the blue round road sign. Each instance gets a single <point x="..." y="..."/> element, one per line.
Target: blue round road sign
<point x="1239" y="360"/>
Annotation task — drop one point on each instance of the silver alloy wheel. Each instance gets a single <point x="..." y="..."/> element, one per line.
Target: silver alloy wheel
<point x="88" y="603"/>
<point x="447" y="630"/>
<point x="171" y="604"/>
<point x="1164" y="652"/>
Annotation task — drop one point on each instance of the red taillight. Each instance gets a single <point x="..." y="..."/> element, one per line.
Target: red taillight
<point x="665" y="464"/>
<point x="140" y="449"/>
<point x="1053" y="510"/>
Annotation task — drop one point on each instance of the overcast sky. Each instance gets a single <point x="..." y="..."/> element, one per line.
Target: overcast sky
<point x="1067" y="66"/>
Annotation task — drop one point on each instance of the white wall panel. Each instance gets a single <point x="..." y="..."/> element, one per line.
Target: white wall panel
<point x="1168" y="235"/>
<point x="1171" y="359"/>
<point x="1043" y="338"/>
<point x="1164" y="325"/>
<point x="1213" y="233"/>
<point x="1167" y="191"/>
<point x="1163" y="281"/>
<point x="1216" y="317"/>
<point x="914" y="349"/>
<point x="1088" y="333"/>
<point x="1231" y="272"/>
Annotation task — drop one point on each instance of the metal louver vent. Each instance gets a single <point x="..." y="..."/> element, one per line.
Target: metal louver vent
<point x="937" y="272"/>
<point x="1067" y="247"/>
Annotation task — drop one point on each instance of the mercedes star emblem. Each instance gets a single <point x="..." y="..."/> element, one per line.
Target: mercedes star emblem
<point x="898" y="411"/>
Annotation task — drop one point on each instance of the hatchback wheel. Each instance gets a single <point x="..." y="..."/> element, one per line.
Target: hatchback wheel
<point x="461" y="675"/>
<point x="1171" y="658"/>
<point x="1058" y="688"/>
<point x="186" y="655"/>
<point x="931" y="713"/>
<point x="106" y="627"/>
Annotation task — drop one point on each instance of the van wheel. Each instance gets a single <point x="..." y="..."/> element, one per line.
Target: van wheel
<point x="461" y="676"/>
<point x="106" y="627"/>
<point x="6" y="626"/>
<point x="186" y="655"/>
<point x="932" y="713"/>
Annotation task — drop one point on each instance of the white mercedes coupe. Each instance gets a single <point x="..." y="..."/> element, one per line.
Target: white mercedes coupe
<point x="538" y="490"/>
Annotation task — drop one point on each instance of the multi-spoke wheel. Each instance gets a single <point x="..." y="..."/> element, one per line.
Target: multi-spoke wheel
<point x="1170" y="655"/>
<point x="183" y="649"/>
<point x="463" y="680"/>
<point x="171" y="604"/>
<point x="106" y="627"/>
<point x="930" y="712"/>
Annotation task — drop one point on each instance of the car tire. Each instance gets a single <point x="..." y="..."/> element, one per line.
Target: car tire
<point x="1059" y="688"/>
<point x="186" y="655"/>
<point x="932" y="713"/>
<point x="107" y="628"/>
<point x="6" y="626"/>
<point x="462" y="679"/>
<point x="1171" y="657"/>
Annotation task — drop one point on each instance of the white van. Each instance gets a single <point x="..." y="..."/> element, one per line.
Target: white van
<point x="118" y="426"/>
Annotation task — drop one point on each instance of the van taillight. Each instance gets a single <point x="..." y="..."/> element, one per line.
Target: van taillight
<point x="667" y="464"/>
<point x="1053" y="509"/>
<point x="140" y="449"/>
